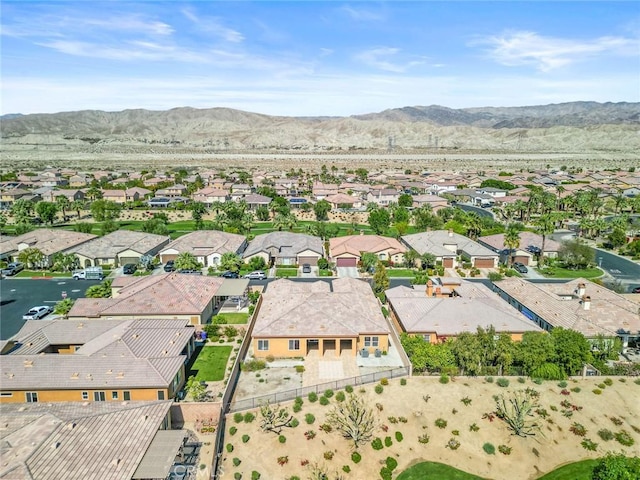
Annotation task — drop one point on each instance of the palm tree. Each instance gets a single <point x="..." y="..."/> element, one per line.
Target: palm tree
<point x="473" y="223"/>
<point x="187" y="261"/>
<point x="78" y="205"/>
<point x="63" y="203"/>
<point x="545" y="225"/>
<point x="285" y="220"/>
<point x="31" y="257"/>
<point x="511" y="240"/>
<point x="410" y="257"/>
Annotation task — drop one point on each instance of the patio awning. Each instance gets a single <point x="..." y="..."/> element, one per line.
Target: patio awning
<point x="233" y="287"/>
<point x="160" y="455"/>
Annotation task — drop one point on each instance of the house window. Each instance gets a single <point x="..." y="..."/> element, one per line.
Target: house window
<point x="160" y="394"/>
<point x="114" y="395"/>
<point x="427" y="337"/>
<point x="126" y="395"/>
<point x="294" y="344"/>
<point x="370" y="341"/>
<point x="32" y="397"/>
<point x="85" y="395"/>
<point x="382" y="256"/>
<point x="6" y="394"/>
<point x="263" y="345"/>
<point x="99" y="397"/>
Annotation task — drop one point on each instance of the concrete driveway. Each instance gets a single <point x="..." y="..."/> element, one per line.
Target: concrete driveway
<point x="348" y="272"/>
<point x="312" y="274"/>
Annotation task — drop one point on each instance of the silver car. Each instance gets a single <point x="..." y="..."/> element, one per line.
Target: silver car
<point x="37" y="313"/>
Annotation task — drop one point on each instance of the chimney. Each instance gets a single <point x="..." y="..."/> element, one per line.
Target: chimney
<point x="582" y="288"/>
<point x="438" y="291"/>
<point x="450" y="233"/>
<point x="429" y="288"/>
<point x="586" y="302"/>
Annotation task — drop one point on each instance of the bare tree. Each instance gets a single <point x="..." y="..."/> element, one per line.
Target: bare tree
<point x="353" y="419"/>
<point x="274" y="419"/>
<point x="517" y="412"/>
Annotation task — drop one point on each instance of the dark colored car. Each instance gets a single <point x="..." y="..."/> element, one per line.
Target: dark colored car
<point x="169" y="266"/>
<point x="230" y="274"/>
<point x="190" y="271"/>
<point x="635" y="290"/>
<point x="520" y="267"/>
<point x="306" y="268"/>
<point x="129" y="268"/>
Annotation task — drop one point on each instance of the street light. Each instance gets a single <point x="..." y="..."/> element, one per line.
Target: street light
<point x="600" y="262"/>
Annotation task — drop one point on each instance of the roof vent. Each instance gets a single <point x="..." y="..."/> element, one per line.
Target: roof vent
<point x="75" y="376"/>
<point x="116" y="462"/>
<point x="28" y="363"/>
<point x="81" y="325"/>
<point x="109" y="372"/>
<point x="55" y="445"/>
<point x="71" y="426"/>
<point x="120" y="375"/>
<point x="89" y="376"/>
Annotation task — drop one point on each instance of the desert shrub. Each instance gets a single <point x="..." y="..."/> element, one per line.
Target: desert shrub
<point x="249" y="417"/>
<point x="602" y="386"/>
<point x="377" y="444"/>
<point x="576" y="389"/>
<point x="589" y="445"/>
<point x="622" y="380"/>
<point x="391" y="463"/>
<point x="384" y="381"/>
<point x="298" y="401"/>
<point x="504" y="449"/>
<point x="488" y="379"/>
<point x="233" y="430"/>
<point x="237" y="476"/>
<point x="537" y="381"/>
<point x="399" y="436"/>
<point x="441" y="423"/>
<point x="578" y="429"/>
<point x="236" y="461"/>
<point x="605" y="434"/>
<point x="299" y="368"/>
<point x="325" y="427"/>
<point x="424" y="438"/>
<point x="282" y="439"/>
<point x="489" y="449"/>
<point x="624" y="438"/>
<point x="229" y="447"/>
<point x="392" y="419"/>
<point x="388" y="442"/>
<point x="637" y="381"/>
<point x="253" y="365"/>
<point x="608" y="382"/>
<point x="379" y="389"/>
<point x="503" y="382"/>
<point x="549" y="371"/>
<point x="466" y="401"/>
<point x="297" y="407"/>
<point x="328" y="393"/>
<point x="403" y="419"/>
<point x="444" y="379"/>
<point x="340" y="397"/>
<point x="313" y="397"/>
<point x="245" y="438"/>
<point x="238" y="417"/>
<point x="356" y="457"/>
<point x="348" y="389"/>
<point x="403" y="381"/>
<point x="616" y="421"/>
<point x="562" y="384"/>
<point x="283" y="460"/>
<point x="255" y="475"/>
<point x="597" y="391"/>
<point x="328" y="455"/>
<point x="386" y="474"/>
<point x="309" y="418"/>
<point x="453" y="444"/>
<point x="474" y="427"/>
<point x="324" y="401"/>
<point x="310" y="434"/>
<point x="346" y="468"/>
<point x="521" y="380"/>
<point x="455" y="432"/>
<point x="294" y="423"/>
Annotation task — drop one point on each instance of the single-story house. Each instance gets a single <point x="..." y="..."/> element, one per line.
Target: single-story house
<point x="346" y="251"/>
<point x="49" y="241"/>
<point x="119" y="247"/>
<point x="209" y="195"/>
<point x="296" y="318"/>
<point x="207" y="246"/>
<point x="529" y="243"/>
<point x="438" y="312"/>
<point x="447" y="245"/>
<point x="285" y="248"/>
<point x="434" y="201"/>
<point x="342" y="200"/>
<point x="255" y="200"/>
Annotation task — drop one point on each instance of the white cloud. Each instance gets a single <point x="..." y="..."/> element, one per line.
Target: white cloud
<point x="380" y="58"/>
<point x="213" y="25"/>
<point x="549" y="53"/>
<point x="362" y="14"/>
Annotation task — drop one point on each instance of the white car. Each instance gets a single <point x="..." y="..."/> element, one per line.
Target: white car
<point x="37" y="313"/>
<point x="257" y="275"/>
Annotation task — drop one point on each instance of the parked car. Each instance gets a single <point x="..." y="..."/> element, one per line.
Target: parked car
<point x="306" y="268"/>
<point x="190" y="271"/>
<point x="520" y="267"/>
<point x="36" y="313"/>
<point x="169" y="266"/>
<point x="13" y="269"/>
<point x="89" y="273"/>
<point x="230" y="274"/>
<point x="635" y="290"/>
<point x="257" y="275"/>
<point x="129" y="268"/>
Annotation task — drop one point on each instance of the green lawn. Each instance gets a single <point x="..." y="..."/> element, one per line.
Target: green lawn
<point x="286" y="272"/>
<point x="558" y="272"/>
<point x="235" y="317"/>
<point x="211" y="364"/>
<point x="400" y="272"/>
<point x="435" y="470"/>
<point x="574" y="471"/>
<point x="41" y="273"/>
<point x="325" y="273"/>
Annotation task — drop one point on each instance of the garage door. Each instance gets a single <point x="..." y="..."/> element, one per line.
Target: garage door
<point x="347" y="262"/>
<point x="523" y="259"/>
<point x="447" y="262"/>
<point x="125" y="260"/>
<point x="310" y="260"/>
<point x="167" y="257"/>
<point x="483" y="263"/>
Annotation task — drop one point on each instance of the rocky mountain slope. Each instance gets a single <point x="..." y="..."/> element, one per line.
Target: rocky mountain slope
<point x="568" y="127"/>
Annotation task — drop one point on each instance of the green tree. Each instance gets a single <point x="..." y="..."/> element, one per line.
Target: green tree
<point x="405" y="200"/>
<point x="32" y="257"/>
<point x="230" y="261"/>
<point x="83" y="227"/>
<point x="617" y="237"/>
<point x="78" y="205"/>
<point x="262" y="213"/>
<point x="424" y="218"/>
<point x="109" y="226"/>
<point x="64" y="262"/>
<point x="410" y="258"/>
<point x="194" y="388"/>
<point x="47" y="211"/>
<point x="535" y="349"/>
<point x="198" y="209"/>
<point x="617" y="466"/>
<point x="63" y="307"/>
<point x="187" y="261"/>
<point x="285" y="221"/>
<point x="468" y="353"/>
<point x="368" y="260"/>
<point x="380" y="279"/>
<point x="572" y="350"/>
<point x="257" y="263"/>
<point x="103" y="290"/>
<point x="577" y="254"/>
<point x="105" y="210"/>
<point x="512" y="240"/>
<point x="22" y="210"/>
<point x="362" y="174"/>
<point x="63" y="204"/>
<point x="501" y="184"/>
<point x="155" y="225"/>
<point x="545" y="225"/>
<point x="426" y="356"/>
<point x="321" y="210"/>
<point x="379" y="220"/>
<point x="3" y="221"/>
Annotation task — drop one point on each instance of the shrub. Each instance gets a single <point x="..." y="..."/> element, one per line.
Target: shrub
<point x="253" y="365"/>
<point x="474" y="427"/>
<point x="549" y="371"/>
<point x="504" y="449"/>
<point x="616" y="421"/>
<point x="299" y="368"/>
<point x="605" y="434"/>
<point x="340" y="397"/>
<point x="377" y="444"/>
<point x="255" y="475"/>
<point x="237" y="476"/>
<point x="537" y="381"/>
<point x="402" y="419"/>
<point x="403" y="381"/>
<point x="310" y="434"/>
<point x="298" y="401"/>
<point x="392" y="419"/>
<point x="503" y="382"/>
<point x="309" y="418"/>
<point x="391" y="463"/>
<point x="325" y="427"/>
<point x="489" y="449"/>
<point x="578" y="429"/>
<point x="602" y="386"/>
<point x="444" y="379"/>
<point x="233" y="430"/>
<point x="455" y="432"/>
<point x="229" y="447"/>
<point x="283" y="460"/>
<point x="608" y="382"/>
<point x="637" y="381"/>
<point x="324" y="401"/>
<point x="356" y="457"/>
<point x="597" y="391"/>
<point x="562" y="384"/>
<point x="294" y="423"/>
<point x="388" y="442"/>
<point x="249" y="417"/>
<point x="379" y="389"/>
<point x="385" y="473"/>
<point x="441" y="423"/>
<point x="399" y="437"/>
<point x="624" y="438"/>
<point x="328" y="455"/>
<point x="348" y="389"/>
<point x="466" y="401"/>
<point x="488" y="379"/>
<point x="576" y="389"/>
<point x="453" y="444"/>
<point x="245" y="438"/>
<point x="589" y="445"/>
<point x="346" y="468"/>
<point x="282" y="439"/>
<point x="313" y="397"/>
<point x="297" y="407"/>
<point x="328" y="393"/>
<point x="424" y="438"/>
<point x="384" y="381"/>
<point x="521" y="380"/>
<point x="236" y="461"/>
<point x="238" y="417"/>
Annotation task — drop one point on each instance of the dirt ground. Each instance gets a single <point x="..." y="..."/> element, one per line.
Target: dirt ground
<point x="423" y="400"/>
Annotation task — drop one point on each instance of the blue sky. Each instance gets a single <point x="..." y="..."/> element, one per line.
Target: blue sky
<point x="315" y="58"/>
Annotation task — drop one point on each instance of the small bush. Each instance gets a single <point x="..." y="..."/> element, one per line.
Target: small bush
<point x="616" y="421"/>
<point x="245" y="438"/>
<point x="602" y="386"/>
<point x="283" y="460"/>
<point x="238" y="417"/>
<point x="466" y="401"/>
<point x="298" y="401"/>
<point x="356" y="457"/>
<point x="562" y="384"/>
<point x="325" y="427"/>
<point x="488" y="379"/>
<point x="237" y="476"/>
<point x="637" y="381"/>
<point x="624" y="438"/>
<point x="295" y="422"/>
<point x="229" y="447"/>
<point x="309" y="418"/>
<point x="521" y="380"/>
<point x="253" y="365"/>
<point x="313" y="397"/>
<point x="340" y="397"/>
<point x="324" y="401"/>
<point x="236" y="461"/>
<point x="328" y="455"/>
<point x="608" y="382"/>
<point x="310" y="434"/>
<point x="299" y="368"/>
<point x="378" y="389"/>
<point x="424" y="438"/>
<point x="255" y="475"/>
<point x="441" y="423"/>
<point x="384" y="381"/>
<point x="388" y="442"/>
<point x="282" y="439"/>
<point x="233" y="430"/>
<point x="504" y="449"/>
<point x="386" y="474"/>
<point x="537" y="381"/>
<point x="474" y="427"/>
<point x="597" y="391"/>
<point x="328" y="393"/>
<point x="503" y="382"/>
<point x="391" y="463"/>
<point x="444" y="379"/>
<point x="576" y="389"/>
<point x="297" y="407"/>
<point x="348" y="389"/>
<point x="605" y="434"/>
<point x="377" y="444"/>
<point x="453" y="444"/>
<point x="402" y="419"/>
<point x="489" y="449"/>
<point x="403" y="381"/>
<point x="346" y="468"/>
<point x="249" y="417"/>
<point x="578" y="429"/>
<point x="589" y="445"/>
<point x="399" y="436"/>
